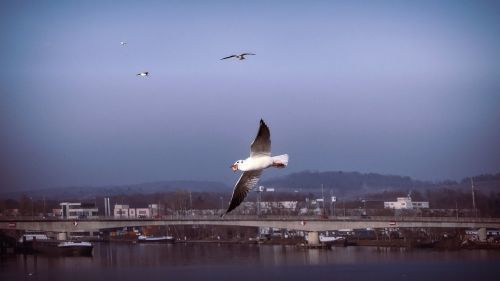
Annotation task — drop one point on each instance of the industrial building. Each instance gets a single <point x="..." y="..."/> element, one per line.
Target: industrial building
<point x="77" y="210"/>
<point x="406" y="203"/>
<point x="125" y="211"/>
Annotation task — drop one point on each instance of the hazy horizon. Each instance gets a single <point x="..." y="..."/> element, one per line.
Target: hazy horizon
<point x="229" y="184"/>
<point x="389" y="87"/>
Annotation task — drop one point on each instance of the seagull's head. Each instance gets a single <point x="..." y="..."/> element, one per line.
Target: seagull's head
<point x="235" y="167"/>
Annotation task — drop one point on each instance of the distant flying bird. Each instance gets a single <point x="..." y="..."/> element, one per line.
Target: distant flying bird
<point x="240" y="56"/>
<point x="123" y="43"/>
<point x="260" y="159"/>
<point x="143" y="74"/>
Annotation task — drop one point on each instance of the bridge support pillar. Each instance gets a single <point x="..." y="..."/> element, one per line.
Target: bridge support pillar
<point x="62" y="236"/>
<point x="481" y="233"/>
<point x="312" y="238"/>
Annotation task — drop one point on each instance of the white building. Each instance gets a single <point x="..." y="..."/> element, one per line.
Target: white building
<point x="121" y="211"/>
<point x="78" y="210"/>
<point x="124" y="211"/>
<point x="156" y="210"/>
<point x="493" y="232"/>
<point x="269" y="207"/>
<point x="142" y="212"/>
<point x="406" y="203"/>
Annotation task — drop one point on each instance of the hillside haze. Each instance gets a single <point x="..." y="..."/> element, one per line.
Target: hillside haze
<point x="356" y="183"/>
<point x="346" y="184"/>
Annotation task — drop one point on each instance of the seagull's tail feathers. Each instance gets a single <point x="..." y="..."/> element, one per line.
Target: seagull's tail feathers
<point x="280" y="161"/>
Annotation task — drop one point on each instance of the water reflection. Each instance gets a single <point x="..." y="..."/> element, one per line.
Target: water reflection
<point x="202" y="261"/>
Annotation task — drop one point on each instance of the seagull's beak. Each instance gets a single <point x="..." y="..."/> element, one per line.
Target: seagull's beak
<point x="234" y="167"/>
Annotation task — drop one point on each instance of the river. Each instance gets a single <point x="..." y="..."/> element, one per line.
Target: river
<point x="196" y="262"/>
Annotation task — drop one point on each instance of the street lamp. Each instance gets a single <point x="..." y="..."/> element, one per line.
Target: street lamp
<point x="333" y="200"/>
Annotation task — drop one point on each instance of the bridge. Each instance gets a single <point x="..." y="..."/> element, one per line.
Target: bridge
<point x="303" y="223"/>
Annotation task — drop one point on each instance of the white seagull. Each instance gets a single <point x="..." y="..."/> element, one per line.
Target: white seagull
<point x="123" y="43"/>
<point x="260" y="159"/>
<point x="143" y="74"/>
<point x="240" y="56"/>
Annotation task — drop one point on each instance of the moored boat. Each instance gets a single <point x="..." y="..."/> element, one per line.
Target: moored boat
<point x="64" y="248"/>
<point x="25" y="242"/>
<point x="158" y="239"/>
<point x="331" y="239"/>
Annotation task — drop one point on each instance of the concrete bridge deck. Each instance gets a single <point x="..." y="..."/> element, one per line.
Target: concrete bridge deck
<point x="304" y="223"/>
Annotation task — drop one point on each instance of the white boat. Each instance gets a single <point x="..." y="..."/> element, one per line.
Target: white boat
<point x="68" y="244"/>
<point x="146" y="238"/>
<point x="25" y="242"/>
<point x="330" y="239"/>
<point x="29" y="237"/>
<point x="64" y="248"/>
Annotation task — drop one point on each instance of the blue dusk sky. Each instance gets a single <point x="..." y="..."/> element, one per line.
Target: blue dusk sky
<point x="394" y="87"/>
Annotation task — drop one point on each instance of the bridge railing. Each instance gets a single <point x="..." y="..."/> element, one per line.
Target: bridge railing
<point x="263" y="218"/>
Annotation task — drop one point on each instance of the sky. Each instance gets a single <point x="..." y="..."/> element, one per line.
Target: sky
<point x="394" y="87"/>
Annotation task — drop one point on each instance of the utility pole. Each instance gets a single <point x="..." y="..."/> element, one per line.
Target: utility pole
<point x="343" y="206"/>
<point x="473" y="197"/>
<point x="190" y="201"/>
<point x="331" y="203"/>
<point x="333" y="200"/>
<point x="323" y="198"/>
<point x="32" y="208"/>
<point x="258" y="201"/>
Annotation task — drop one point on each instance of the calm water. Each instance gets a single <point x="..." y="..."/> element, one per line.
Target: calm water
<point x="190" y="262"/>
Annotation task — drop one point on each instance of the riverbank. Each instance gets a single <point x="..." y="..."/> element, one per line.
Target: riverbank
<point x="445" y="244"/>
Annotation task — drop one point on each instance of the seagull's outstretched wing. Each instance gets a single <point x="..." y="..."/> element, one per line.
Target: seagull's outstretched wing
<point x="262" y="142"/>
<point x="248" y="54"/>
<point x="247" y="181"/>
<point x="231" y="56"/>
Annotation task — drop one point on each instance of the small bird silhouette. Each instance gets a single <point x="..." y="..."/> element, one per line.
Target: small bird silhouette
<point x="240" y="56"/>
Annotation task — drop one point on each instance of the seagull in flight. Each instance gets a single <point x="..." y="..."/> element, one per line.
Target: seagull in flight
<point x="252" y="167"/>
<point x="143" y="74"/>
<point x="240" y="56"/>
<point x="123" y="43"/>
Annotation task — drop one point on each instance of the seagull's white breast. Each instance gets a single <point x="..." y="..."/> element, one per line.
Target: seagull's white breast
<point x="256" y="163"/>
